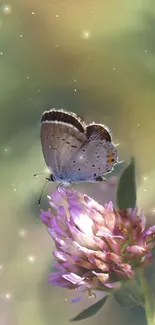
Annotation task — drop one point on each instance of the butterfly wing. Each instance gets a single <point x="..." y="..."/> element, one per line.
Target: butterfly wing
<point x="62" y="135"/>
<point x="92" y="160"/>
<point x="97" y="132"/>
<point x="73" y="151"/>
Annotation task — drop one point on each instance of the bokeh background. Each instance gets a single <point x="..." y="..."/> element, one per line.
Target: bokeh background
<point x="93" y="57"/>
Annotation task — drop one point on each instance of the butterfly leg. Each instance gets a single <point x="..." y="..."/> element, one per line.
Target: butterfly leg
<point x="100" y="179"/>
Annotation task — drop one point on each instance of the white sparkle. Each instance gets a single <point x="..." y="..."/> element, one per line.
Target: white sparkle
<point x="145" y="190"/>
<point x="7" y="295"/>
<point x="27" y="77"/>
<point x="33" y="13"/>
<point x="38" y="90"/>
<point x="14" y="188"/>
<point x="86" y="34"/>
<point x="75" y="80"/>
<point x="137" y="124"/>
<point x="145" y="51"/>
<point x="21" y="35"/>
<point x="7" y="9"/>
<point x="1" y="267"/>
<point x="153" y="210"/>
<point x="30" y="98"/>
<point x="75" y="89"/>
<point x="31" y="259"/>
<point x="114" y="69"/>
<point x="145" y="178"/>
<point x="56" y="16"/>
<point x="22" y="233"/>
<point x="1" y="53"/>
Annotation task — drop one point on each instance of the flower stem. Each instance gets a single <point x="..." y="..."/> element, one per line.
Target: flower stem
<point x="148" y="298"/>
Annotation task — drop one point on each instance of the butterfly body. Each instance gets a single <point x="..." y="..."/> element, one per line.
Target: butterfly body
<point x="73" y="151"/>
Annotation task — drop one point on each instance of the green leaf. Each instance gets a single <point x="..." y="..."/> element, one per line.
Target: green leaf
<point x="128" y="297"/>
<point x="126" y="190"/>
<point x="90" y="311"/>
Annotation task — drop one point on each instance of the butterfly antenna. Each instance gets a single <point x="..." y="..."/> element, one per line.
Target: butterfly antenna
<point x="41" y="194"/>
<point x="39" y="174"/>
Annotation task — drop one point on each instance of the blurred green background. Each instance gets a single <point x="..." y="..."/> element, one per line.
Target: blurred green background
<point x="93" y="57"/>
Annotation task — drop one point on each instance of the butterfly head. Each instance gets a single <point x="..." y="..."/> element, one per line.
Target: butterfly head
<point x="51" y="178"/>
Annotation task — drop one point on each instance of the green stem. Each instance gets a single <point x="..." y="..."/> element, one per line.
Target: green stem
<point x="148" y="298"/>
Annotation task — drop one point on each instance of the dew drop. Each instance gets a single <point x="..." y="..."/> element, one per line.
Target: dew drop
<point x="92" y="296"/>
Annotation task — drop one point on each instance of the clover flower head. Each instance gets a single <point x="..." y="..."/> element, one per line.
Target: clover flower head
<point x="96" y="247"/>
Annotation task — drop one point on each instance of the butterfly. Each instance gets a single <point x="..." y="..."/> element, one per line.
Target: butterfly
<point x="74" y="151"/>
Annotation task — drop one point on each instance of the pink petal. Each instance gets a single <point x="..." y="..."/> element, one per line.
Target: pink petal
<point x="103" y="277"/>
<point x="46" y="217"/>
<point x="136" y="250"/>
<point x="113" y="285"/>
<point x="114" y="243"/>
<point x="82" y="221"/>
<point x="113" y="257"/>
<point x="72" y="248"/>
<point x="92" y="204"/>
<point x="96" y="258"/>
<point x="143" y="220"/>
<point x="74" y="278"/>
<point x="62" y="216"/>
<point x="100" y="265"/>
<point x="58" y="228"/>
<point x="83" y="239"/>
<point x="57" y="197"/>
<point x="133" y="214"/>
<point x="150" y="232"/>
<point x="147" y="260"/>
<point x="63" y="257"/>
<point x="102" y="231"/>
<point x="109" y="216"/>
<point x="58" y="238"/>
<point x="97" y="217"/>
<point x="124" y="270"/>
